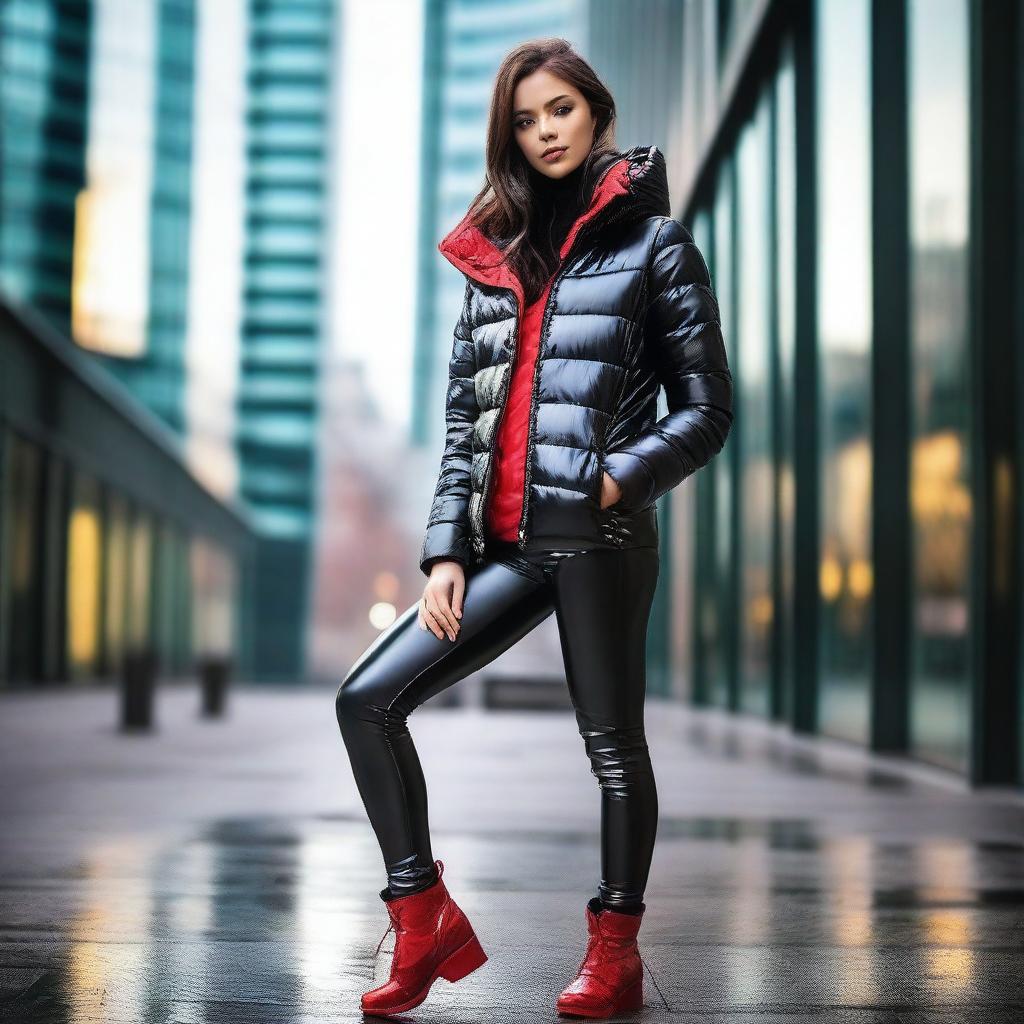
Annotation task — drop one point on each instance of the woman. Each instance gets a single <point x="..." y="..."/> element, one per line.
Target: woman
<point x="583" y="297"/>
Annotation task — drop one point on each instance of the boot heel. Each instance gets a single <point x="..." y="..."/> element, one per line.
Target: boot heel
<point x="632" y="998"/>
<point x="466" y="959"/>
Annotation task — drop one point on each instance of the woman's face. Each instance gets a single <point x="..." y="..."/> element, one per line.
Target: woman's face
<point x="549" y="113"/>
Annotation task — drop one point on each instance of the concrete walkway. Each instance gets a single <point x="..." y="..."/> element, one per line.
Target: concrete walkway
<point x="223" y="871"/>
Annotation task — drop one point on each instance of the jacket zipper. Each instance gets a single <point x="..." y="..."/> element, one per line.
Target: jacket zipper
<point x="541" y="345"/>
<point x="532" y="422"/>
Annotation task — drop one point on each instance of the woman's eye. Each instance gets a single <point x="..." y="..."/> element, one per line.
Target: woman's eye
<point x="522" y="124"/>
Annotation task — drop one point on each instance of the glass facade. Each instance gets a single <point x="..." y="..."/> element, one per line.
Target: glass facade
<point x="95" y="189"/>
<point x="97" y="507"/>
<point x="44" y="47"/>
<point x="289" y="78"/>
<point x="110" y="296"/>
<point x="91" y="575"/>
<point x="133" y="215"/>
<point x="850" y="332"/>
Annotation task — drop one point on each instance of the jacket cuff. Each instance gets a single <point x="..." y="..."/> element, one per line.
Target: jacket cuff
<point x="445" y="542"/>
<point x="634" y="480"/>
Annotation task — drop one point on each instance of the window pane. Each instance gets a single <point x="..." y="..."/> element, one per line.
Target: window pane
<point x="755" y="425"/>
<point x="843" y="62"/>
<point x="116" y="594"/>
<point x="785" y="269"/>
<point x="21" y="524"/>
<point x="716" y="614"/>
<point x="939" y="486"/>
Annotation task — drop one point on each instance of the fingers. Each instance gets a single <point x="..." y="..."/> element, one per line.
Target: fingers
<point x="447" y="616"/>
<point x="436" y="615"/>
<point x="428" y="620"/>
<point x="422" y="614"/>
<point x="440" y="608"/>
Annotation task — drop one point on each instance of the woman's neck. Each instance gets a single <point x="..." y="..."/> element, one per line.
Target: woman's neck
<point x="557" y="191"/>
<point x="557" y="204"/>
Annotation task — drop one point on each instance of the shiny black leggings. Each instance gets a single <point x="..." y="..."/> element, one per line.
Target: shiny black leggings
<point x="602" y="601"/>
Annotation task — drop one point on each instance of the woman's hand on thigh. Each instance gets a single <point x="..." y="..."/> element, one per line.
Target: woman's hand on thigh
<point x="441" y="604"/>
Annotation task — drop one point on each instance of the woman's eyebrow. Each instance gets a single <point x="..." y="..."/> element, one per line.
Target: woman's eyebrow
<point x="550" y="103"/>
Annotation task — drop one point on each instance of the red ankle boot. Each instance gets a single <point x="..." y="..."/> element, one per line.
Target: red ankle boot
<point x="433" y="937"/>
<point x="610" y="979"/>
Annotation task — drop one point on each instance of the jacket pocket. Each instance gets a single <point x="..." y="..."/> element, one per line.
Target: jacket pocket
<point x="615" y="508"/>
<point x="611" y="511"/>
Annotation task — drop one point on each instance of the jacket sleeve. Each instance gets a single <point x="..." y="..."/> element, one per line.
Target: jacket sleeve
<point x="683" y="336"/>
<point x="448" y="530"/>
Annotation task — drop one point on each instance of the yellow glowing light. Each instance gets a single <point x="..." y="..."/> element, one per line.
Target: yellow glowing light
<point x="83" y="602"/>
<point x="830" y="578"/>
<point x="117" y="577"/>
<point x="761" y="608"/>
<point x="859" y="578"/>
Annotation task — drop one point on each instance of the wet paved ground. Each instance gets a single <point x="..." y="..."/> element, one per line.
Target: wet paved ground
<point x="225" y="871"/>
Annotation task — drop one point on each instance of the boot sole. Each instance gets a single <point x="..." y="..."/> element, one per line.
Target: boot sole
<point x="466" y="959"/>
<point x="631" y="999"/>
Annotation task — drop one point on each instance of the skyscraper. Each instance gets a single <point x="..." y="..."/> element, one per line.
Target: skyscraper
<point x="44" y="52"/>
<point x="291" y="57"/>
<point x="129" y="298"/>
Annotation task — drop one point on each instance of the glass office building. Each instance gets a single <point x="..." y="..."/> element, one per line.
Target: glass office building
<point x="291" y="64"/>
<point x="44" y="54"/>
<point x="95" y="204"/>
<point x="851" y="170"/>
<point x="109" y="545"/>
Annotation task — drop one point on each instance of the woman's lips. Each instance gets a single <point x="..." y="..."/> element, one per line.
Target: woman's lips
<point x="554" y="155"/>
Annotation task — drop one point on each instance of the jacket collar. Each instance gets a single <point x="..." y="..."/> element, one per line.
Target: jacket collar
<point x="628" y="189"/>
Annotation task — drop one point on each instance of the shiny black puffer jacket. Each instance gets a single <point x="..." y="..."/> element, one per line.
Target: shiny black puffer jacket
<point x="631" y="309"/>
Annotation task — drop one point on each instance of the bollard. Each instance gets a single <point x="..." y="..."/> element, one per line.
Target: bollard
<point x="214" y="672"/>
<point x="138" y="683"/>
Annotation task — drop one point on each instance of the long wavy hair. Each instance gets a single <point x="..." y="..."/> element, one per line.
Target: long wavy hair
<point x="504" y="207"/>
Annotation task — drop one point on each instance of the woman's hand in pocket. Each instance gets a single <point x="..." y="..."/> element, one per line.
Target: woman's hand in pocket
<point x="441" y="604"/>
<point x="610" y="490"/>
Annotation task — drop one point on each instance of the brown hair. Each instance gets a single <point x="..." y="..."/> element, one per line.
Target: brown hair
<point x="503" y="208"/>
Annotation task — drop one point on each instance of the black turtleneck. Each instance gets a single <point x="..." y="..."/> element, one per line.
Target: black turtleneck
<point x="557" y="204"/>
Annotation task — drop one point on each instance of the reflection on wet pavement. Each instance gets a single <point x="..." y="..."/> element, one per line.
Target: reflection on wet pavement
<point x="830" y="912"/>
